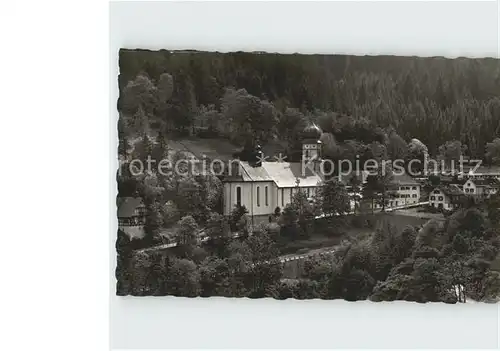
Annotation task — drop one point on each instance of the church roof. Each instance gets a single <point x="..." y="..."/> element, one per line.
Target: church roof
<point x="284" y="174"/>
<point x="254" y="174"/>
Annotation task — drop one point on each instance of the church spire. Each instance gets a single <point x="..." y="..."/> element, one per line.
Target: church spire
<point x="311" y="145"/>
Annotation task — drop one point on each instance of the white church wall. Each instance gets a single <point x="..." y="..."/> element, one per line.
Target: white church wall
<point x="231" y="195"/>
<point x="260" y="206"/>
<point x="253" y="197"/>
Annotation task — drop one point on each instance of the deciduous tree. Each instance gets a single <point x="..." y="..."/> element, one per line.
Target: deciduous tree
<point x="187" y="233"/>
<point x="334" y="198"/>
<point x="493" y="151"/>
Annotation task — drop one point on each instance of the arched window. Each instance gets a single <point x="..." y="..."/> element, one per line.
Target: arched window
<point x="266" y="195"/>
<point x="238" y="195"/>
<point x="258" y="196"/>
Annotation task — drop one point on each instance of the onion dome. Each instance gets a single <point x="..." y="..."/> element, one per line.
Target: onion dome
<point x="312" y="132"/>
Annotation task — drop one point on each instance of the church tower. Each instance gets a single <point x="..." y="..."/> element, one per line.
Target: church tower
<point x="311" y="145"/>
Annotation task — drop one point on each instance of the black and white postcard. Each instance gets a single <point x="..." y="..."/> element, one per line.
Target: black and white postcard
<point x="251" y="174"/>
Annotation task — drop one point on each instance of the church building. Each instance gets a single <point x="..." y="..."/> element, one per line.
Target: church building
<point x="262" y="186"/>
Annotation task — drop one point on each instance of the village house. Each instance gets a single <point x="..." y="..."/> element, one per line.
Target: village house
<point x="481" y="188"/>
<point x="446" y="197"/>
<point x="407" y="190"/>
<point x="131" y="216"/>
<point x="481" y="172"/>
<point x="262" y="186"/>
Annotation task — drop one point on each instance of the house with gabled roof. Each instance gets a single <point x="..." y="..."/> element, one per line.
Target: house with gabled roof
<point x="446" y="197"/>
<point x="481" y="188"/>
<point x="407" y="190"/>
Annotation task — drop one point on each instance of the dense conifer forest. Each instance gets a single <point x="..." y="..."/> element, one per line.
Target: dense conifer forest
<point x="432" y="99"/>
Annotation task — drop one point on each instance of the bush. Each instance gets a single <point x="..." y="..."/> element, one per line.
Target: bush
<point x="431" y="209"/>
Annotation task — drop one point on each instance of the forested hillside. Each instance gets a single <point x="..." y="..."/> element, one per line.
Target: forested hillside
<point x="435" y="100"/>
<point x="446" y="261"/>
